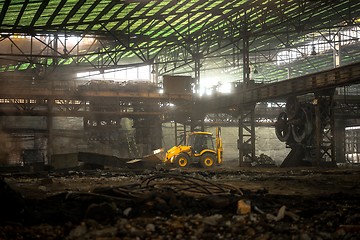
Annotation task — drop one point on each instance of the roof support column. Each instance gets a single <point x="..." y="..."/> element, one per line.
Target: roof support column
<point x="340" y="141"/>
<point x="246" y="141"/>
<point x="49" y="122"/>
<point x="324" y="127"/>
<point x="246" y="57"/>
<point x="197" y="67"/>
<point x="337" y="54"/>
<point x="55" y="60"/>
<point x="180" y="133"/>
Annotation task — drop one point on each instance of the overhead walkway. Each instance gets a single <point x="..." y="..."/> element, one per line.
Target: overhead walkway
<point x="247" y="96"/>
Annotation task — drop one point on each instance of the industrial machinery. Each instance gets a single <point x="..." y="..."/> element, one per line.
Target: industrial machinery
<point x="300" y="127"/>
<point x="198" y="148"/>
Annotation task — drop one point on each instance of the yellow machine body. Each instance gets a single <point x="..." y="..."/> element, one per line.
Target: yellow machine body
<point x="199" y="148"/>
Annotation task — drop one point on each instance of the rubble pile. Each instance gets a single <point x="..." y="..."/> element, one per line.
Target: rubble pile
<point x="263" y="160"/>
<point x="177" y="206"/>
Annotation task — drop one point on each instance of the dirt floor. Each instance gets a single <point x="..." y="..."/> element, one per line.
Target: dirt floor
<point x="221" y="203"/>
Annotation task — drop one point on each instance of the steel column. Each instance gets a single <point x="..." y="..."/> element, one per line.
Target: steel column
<point x="340" y="146"/>
<point x="180" y="133"/>
<point x="246" y="141"/>
<point x="337" y="50"/>
<point x="196" y="123"/>
<point x="49" y="127"/>
<point x="246" y="54"/>
<point x="197" y="72"/>
<point x="324" y="127"/>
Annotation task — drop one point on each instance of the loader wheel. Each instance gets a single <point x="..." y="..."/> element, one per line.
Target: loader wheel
<point x="207" y="160"/>
<point x="182" y="160"/>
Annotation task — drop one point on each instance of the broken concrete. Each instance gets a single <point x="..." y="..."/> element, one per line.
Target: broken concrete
<point x="280" y="204"/>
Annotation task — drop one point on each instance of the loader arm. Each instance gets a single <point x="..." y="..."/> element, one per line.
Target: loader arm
<point x="219" y="145"/>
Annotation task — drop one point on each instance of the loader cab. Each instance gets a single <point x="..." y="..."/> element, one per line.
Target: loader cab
<point x="200" y="141"/>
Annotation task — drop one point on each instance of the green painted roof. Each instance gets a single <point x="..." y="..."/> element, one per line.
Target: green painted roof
<point x="177" y="29"/>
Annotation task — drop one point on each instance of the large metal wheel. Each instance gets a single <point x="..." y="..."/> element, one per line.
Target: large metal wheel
<point x="282" y="127"/>
<point x="207" y="160"/>
<point x="301" y="127"/>
<point x="182" y="160"/>
<point x="299" y="132"/>
<point x="292" y="107"/>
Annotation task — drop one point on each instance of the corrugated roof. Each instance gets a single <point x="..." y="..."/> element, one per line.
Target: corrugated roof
<point x="212" y="29"/>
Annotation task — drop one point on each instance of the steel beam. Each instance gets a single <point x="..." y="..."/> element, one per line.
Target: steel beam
<point x="38" y="93"/>
<point x="341" y="76"/>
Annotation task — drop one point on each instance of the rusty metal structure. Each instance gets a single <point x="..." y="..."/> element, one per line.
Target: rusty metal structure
<point x="275" y="49"/>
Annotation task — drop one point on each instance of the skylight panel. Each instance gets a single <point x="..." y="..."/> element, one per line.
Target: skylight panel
<point x="29" y="13"/>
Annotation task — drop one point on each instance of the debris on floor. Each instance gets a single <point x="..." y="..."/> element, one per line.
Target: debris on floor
<point x="176" y="205"/>
<point x="263" y="160"/>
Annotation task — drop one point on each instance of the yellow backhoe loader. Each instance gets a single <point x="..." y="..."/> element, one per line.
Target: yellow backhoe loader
<point x="198" y="148"/>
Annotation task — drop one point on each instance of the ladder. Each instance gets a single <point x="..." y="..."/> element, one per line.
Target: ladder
<point x="132" y="146"/>
<point x="180" y="133"/>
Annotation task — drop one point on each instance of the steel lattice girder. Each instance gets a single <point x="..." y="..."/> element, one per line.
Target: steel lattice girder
<point x="149" y="29"/>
